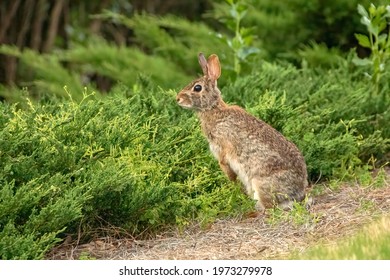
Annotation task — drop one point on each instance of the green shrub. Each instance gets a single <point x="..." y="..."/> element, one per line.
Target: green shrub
<point x="72" y="166"/>
<point x="241" y="42"/>
<point x="173" y="38"/>
<point x="376" y="20"/>
<point x="285" y="27"/>
<point x="120" y="64"/>
<point x="44" y="76"/>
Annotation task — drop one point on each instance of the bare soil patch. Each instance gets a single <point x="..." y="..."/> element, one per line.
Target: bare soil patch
<point x="338" y="214"/>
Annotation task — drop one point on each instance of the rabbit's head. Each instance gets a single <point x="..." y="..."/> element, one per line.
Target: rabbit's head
<point x="203" y="94"/>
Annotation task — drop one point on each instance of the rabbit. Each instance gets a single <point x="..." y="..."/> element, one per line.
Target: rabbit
<point x="271" y="168"/>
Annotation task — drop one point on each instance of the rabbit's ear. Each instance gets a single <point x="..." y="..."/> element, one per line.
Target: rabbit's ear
<point x="213" y="67"/>
<point x="203" y="63"/>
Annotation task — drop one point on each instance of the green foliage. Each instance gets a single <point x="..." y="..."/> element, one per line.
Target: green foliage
<point x="298" y="215"/>
<point x="48" y="74"/>
<point x="302" y="31"/>
<point x="123" y="64"/>
<point x="86" y="256"/>
<point x="119" y="64"/>
<point x="172" y="38"/>
<point x="316" y="55"/>
<point x="285" y="27"/>
<point x="376" y="20"/>
<point x="231" y="13"/>
<point x="85" y="165"/>
<point x="161" y="45"/>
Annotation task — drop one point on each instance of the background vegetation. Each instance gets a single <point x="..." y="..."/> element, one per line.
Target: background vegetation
<point x="372" y="243"/>
<point x="91" y="137"/>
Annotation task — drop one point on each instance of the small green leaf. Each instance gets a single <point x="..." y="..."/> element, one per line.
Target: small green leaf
<point x="236" y="43"/>
<point x="365" y="20"/>
<point x="363" y="40"/>
<point x="373" y="29"/>
<point x="372" y="10"/>
<point x="362" y="11"/>
<point x="233" y="13"/>
<point x="387" y="11"/>
<point x="246" y="51"/>
<point x="382" y="26"/>
<point x="361" y="61"/>
<point x="382" y="39"/>
<point x="245" y="31"/>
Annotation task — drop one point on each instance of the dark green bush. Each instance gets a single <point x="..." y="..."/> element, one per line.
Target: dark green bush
<point x="285" y="27"/>
<point x="167" y="45"/>
<point x="122" y="162"/>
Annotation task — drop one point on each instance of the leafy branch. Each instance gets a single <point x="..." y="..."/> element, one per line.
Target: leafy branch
<point x="377" y="22"/>
<point x="242" y="42"/>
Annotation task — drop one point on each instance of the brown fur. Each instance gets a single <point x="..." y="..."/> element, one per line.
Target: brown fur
<point x="270" y="167"/>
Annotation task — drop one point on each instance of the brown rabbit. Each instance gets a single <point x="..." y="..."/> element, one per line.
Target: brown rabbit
<point x="271" y="168"/>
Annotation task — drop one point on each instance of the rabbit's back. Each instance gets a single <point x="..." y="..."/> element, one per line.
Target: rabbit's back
<point x="250" y="137"/>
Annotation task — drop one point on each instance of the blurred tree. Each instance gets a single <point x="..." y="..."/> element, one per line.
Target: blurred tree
<point x="42" y="25"/>
<point x="32" y="24"/>
<point x="190" y="9"/>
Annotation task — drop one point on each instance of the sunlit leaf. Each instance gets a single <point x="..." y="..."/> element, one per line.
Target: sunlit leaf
<point x="363" y="40"/>
<point x="382" y="39"/>
<point x="362" y="11"/>
<point x="372" y="10"/>
<point x="361" y="61"/>
<point x="247" y="51"/>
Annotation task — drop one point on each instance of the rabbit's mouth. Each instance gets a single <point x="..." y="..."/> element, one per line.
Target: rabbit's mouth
<point x="182" y="103"/>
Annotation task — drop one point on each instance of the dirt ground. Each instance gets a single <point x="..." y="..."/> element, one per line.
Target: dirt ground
<point x="333" y="215"/>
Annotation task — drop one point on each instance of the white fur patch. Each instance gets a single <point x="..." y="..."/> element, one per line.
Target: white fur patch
<point x="241" y="172"/>
<point x="215" y="150"/>
<point x="236" y="166"/>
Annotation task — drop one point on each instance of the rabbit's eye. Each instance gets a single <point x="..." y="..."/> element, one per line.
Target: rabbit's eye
<point x="198" y="88"/>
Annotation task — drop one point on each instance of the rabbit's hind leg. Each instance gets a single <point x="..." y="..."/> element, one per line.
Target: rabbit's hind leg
<point x="228" y="171"/>
<point x="262" y="193"/>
